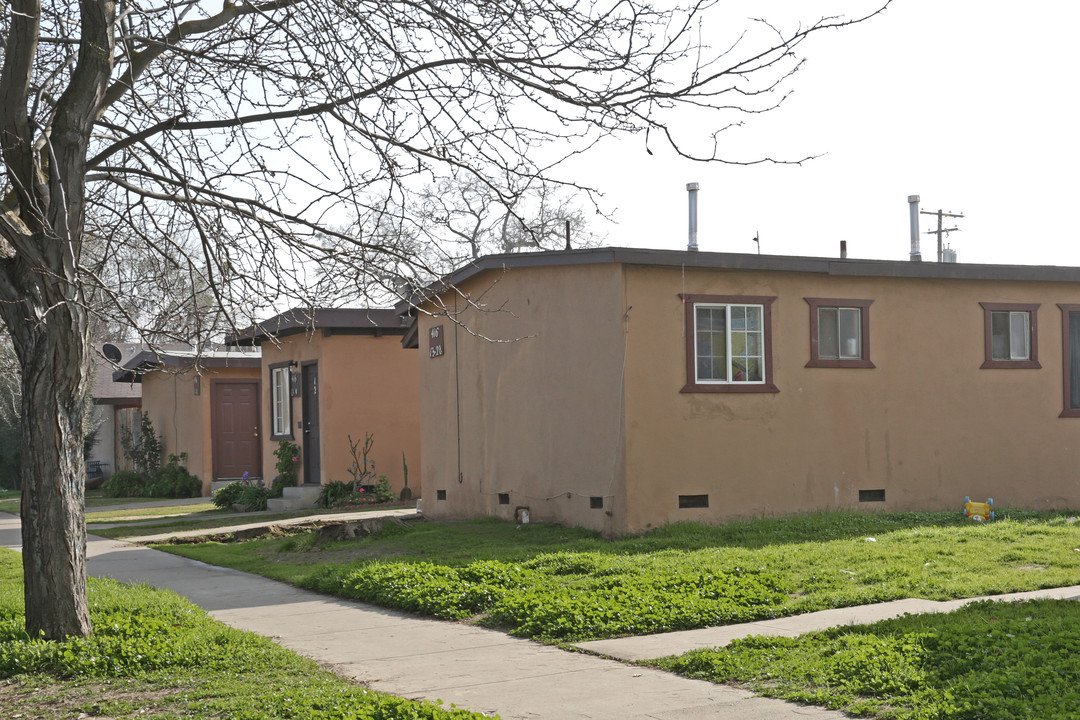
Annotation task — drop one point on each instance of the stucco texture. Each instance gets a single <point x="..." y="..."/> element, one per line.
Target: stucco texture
<point x="555" y="412"/>
<point x="525" y="402"/>
<point x="182" y="418"/>
<point x="367" y="384"/>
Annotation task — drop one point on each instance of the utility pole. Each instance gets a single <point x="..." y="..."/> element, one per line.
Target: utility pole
<point x="940" y="230"/>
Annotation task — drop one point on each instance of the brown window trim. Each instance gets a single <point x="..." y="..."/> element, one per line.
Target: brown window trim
<point x="1066" y="361"/>
<point x="692" y="386"/>
<point x="1032" y="309"/>
<point x="270" y="384"/>
<point x="864" y="317"/>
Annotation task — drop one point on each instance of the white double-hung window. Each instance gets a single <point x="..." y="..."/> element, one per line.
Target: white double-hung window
<point x="728" y="343"/>
<point x="280" y="403"/>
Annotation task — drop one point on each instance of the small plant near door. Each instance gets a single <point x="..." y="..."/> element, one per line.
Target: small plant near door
<point x="367" y="486"/>
<point x="361" y="469"/>
<point x="287" y="466"/>
<point x="247" y="495"/>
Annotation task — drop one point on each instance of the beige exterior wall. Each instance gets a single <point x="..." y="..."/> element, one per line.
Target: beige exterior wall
<point x="182" y="418"/>
<point x="367" y="384"/>
<point x="550" y="414"/>
<point x="532" y="412"/>
<point x="926" y="425"/>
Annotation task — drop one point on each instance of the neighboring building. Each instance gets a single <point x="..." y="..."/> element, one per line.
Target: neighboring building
<point x="206" y="404"/>
<point x="116" y="405"/>
<point x="621" y="389"/>
<point x="329" y="374"/>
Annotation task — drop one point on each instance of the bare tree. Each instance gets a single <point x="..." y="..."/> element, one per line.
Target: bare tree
<point x="466" y="218"/>
<point x="262" y="126"/>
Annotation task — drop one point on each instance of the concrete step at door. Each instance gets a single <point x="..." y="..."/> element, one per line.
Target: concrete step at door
<point x="295" y="498"/>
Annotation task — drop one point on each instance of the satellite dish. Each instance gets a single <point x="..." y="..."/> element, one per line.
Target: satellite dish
<point x="111" y="353"/>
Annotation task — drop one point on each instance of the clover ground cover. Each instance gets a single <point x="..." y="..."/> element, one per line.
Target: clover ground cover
<point x="562" y="584"/>
<point x="988" y="660"/>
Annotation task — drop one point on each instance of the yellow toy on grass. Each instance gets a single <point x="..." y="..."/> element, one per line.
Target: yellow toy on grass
<point x="977" y="511"/>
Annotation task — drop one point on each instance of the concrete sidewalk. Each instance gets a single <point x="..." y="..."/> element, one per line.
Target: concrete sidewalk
<point x="647" y="647"/>
<point x="401" y="654"/>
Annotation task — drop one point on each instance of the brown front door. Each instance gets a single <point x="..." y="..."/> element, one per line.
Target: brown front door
<point x="237" y="442"/>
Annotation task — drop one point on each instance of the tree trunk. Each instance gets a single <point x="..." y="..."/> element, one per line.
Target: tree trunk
<point x="54" y="470"/>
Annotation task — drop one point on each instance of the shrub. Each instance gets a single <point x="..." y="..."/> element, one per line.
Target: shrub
<point x="278" y="485"/>
<point x="253" y="497"/>
<point x="337" y="494"/>
<point x="333" y="492"/>
<point x="171" y="481"/>
<point x="249" y="494"/>
<point x="377" y="493"/>
<point x="174" y="480"/>
<point x="124" y="483"/>
<point x="227" y="496"/>
<point x="288" y="462"/>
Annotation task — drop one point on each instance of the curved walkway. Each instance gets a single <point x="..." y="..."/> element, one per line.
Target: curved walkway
<point x="483" y="670"/>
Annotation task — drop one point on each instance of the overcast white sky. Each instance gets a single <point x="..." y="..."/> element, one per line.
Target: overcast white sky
<point x="971" y="105"/>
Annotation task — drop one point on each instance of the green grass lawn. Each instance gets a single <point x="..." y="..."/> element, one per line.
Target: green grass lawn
<point x="206" y="509"/>
<point x="10" y="499"/>
<point x="560" y="584"/>
<point x="155" y="655"/>
<point x="999" y="660"/>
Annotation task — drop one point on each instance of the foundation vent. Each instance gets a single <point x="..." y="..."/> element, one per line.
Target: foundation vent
<point x="504" y="498"/>
<point x="693" y="501"/>
<point x="872" y="495"/>
<point x="440" y="494"/>
<point x="596" y="502"/>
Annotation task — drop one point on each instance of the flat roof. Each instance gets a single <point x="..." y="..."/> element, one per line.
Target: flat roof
<point x="344" y="321"/>
<point x="740" y="261"/>
<point x="150" y="361"/>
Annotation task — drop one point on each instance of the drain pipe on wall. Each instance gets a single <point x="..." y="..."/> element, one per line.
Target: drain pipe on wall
<point x="913" y="208"/>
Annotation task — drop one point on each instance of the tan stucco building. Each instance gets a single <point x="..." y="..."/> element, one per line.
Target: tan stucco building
<point x="329" y="374"/>
<point x="206" y="404"/>
<point x="622" y="389"/>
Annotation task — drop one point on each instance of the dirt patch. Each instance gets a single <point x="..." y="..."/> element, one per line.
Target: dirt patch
<point x="96" y="701"/>
<point x="326" y="531"/>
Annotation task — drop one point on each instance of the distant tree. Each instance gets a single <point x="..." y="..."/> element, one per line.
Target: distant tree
<point x="465" y="218"/>
<point x="260" y="126"/>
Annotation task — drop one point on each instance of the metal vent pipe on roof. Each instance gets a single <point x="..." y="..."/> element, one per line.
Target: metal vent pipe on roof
<point x="692" y="189"/>
<point x="913" y="207"/>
